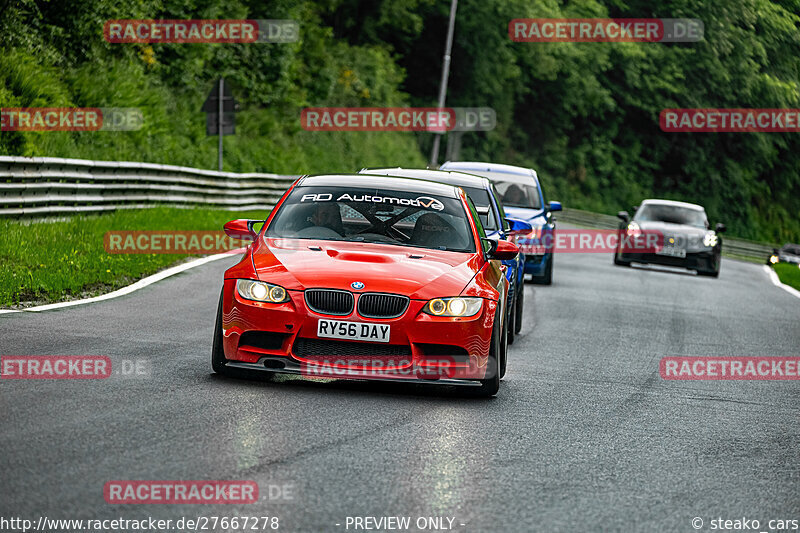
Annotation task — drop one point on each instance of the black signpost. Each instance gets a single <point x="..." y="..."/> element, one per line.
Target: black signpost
<point x="216" y="107"/>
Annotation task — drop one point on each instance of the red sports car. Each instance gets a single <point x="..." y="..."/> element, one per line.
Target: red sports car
<point x="367" y="277"/>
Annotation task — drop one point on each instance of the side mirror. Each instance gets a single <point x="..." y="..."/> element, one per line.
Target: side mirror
<point x="503" y="250"/>
<point x="554" y="206"/>
<point x="518" y="226"/>
<point x="242" y="228"/>
<point x="623" y="216"/>
<point x="720" y="228"/>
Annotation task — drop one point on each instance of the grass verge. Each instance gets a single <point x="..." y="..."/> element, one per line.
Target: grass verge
<point x="56" y="260"/>
<point x="789" y="274"/>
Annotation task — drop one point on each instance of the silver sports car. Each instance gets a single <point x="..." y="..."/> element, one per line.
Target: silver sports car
<point x="688" y="240"/>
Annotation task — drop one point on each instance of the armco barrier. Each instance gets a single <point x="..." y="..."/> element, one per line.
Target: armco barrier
<point x="46" y="186"/>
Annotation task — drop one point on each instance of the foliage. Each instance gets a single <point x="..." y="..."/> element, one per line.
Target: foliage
<point x="585" y="115"/>
<point x="789" y="274"/>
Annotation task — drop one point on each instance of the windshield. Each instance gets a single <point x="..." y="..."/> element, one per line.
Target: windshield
<point x="671" y="214"/>
<point x="792" y="249"/>
<point x="376" y="216"/>
<point x="518" y="194"/>
<point x="512" y="193"/>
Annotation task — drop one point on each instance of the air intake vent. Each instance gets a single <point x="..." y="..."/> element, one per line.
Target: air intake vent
<point x="445" y="352"/>
<point x="262" y="339"/>
<point x="376" y="305"/>
<point x="329" y="301"/>
<point x="312" y="348"/>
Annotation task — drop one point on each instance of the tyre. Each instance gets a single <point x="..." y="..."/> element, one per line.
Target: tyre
<point x="519" y="308"/>
<point x="547" y="277"/>
<point x="491" y="384"/>
<point x="620" y="262"/>
<point x="218" y="360"/>
<point x="511" y="319"/>
<point x="504" y="346"/>
<point x="712" y="273"/>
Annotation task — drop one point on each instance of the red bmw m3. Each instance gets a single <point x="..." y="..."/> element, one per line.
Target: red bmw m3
<point x="367" y="277"/>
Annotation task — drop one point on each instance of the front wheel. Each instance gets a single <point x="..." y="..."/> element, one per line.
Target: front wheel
<point x="218" y="361"/>
<point x="504" y="345"/>
<point x="716" y="268"/>
<point x="710" y="274"/>
<point x="511" y="319"/>
<point x="547" y="277"/>
<point x="491" y="384"/>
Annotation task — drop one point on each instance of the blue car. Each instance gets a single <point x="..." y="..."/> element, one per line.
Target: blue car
<point x="523" y="198"/>
<point x="493" y="218"/>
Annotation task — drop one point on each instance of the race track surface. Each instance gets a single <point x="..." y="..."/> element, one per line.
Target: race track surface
<point x="584" y="435"/>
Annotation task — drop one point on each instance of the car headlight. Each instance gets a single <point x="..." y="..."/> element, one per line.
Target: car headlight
<point x="633" y="227"/>
<point x="710" y="239"/>
<point x="773" y="259"/>
<point x="455" y="306"/>
<point x="261" y="292"/>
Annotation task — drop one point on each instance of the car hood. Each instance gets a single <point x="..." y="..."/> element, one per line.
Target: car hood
<point x="419" y="273"/>
<point x="672" y="229"/>
<point x="535" y="217"/>
<point x="688" y="237"/>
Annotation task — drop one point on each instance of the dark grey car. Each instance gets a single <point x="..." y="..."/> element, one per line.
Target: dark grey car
<point x="688" y="240"/>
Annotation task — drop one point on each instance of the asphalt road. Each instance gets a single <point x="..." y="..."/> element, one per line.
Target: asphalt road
<point x="584" y="435"/>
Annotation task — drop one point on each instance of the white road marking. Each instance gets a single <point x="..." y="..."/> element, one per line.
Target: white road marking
<point x="144" y="282"/>
<point x="777" y="282"/>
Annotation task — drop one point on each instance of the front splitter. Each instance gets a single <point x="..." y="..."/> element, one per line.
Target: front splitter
<point x="290" y="367"/>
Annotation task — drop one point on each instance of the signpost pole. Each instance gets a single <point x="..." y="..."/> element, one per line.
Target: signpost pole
<point x="443" y="84"/>
<point x="219" y="120"/>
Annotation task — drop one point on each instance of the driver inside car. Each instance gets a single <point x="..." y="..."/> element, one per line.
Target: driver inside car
<point x="514" y="196"/>
<point x="327" y="215"/>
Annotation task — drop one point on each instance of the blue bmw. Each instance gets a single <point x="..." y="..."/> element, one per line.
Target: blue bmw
<point x="523" y="198"/>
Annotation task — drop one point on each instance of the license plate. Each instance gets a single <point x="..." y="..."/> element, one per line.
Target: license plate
<point x="672" y="251"/>
<point x="359" y="331"/>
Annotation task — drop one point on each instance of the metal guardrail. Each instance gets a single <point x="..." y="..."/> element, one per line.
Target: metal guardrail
<point x="45" y="186"/>
<point x="731" y="247"/>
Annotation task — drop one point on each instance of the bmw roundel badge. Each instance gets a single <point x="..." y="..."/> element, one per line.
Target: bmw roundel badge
<point x="357" y="285"/>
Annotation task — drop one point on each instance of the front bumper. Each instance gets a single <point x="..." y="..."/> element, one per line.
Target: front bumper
<point x="536" y="264"/>
<point x="705" y="261"/>
<point x="283" y="338"/>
